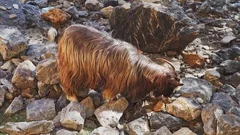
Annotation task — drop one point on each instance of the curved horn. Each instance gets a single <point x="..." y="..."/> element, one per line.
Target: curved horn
<point x="164" y="60"/>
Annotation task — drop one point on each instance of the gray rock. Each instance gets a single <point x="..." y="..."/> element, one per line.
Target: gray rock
<point x="211" y="75"/>
<point x="12" y="42"/>
<point x="36" y="50"/>
<point x="42" y="109"/>
<point x="61" y="102"/>
<point x="223" y="100"/>
<point x="47" y="72"/>
<point x="24" y="128"/>
<point x="73" y="116"/>
<point x="3" y="74"/>
<point x="66" y="132"/>
<point x="8" y="65"/>
<point x="198" y="88"/>
<point x="186" y="108"/>
<point x="24" y="75"/>
<point x="15" y="106"/>
<point x="184" y="131"/>
<point x="173" y="30"/>
<point x="104" y="131"/>
<point x="230" y="66"/>
<point x="228" y="124"/>
<point x="93" y="5"/>
<point x="230" y="90"/>
<point x="238" y="93"/>
<point x="20" y="21"/>
<point x="32" y="17"/>
<point x="229" y="53"/>
<point x="110" y="113"/>
<point x="233" y="79"/>
<point x="160" y="119"/>
<point x="210" y="115"/>
<point x="2" y="95"/>
<point x="8" y="85"/>
<point x="228" y="39"/>
<point x="138" y="127"/>
<point x="163" y="131"/>
<point x="41" y="3"/>
<point x="235" y="111"/>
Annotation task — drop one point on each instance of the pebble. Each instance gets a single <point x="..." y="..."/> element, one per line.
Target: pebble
<point x="12" y="16"/>
<point x="15" y="6"/>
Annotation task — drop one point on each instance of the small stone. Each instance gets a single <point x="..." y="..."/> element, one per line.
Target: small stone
<point x="28" y="93"/>
<point x="8" y="65"/>
<point x="47" y="72"/>
<point x="12" y="16"/>
<point x="9" y="96"/>
<point x="138" y="127"/>
<point x="107" y="11"/>
<point x="230" y="66"/>
<point x="160" y="119"/>
<point x="194" y="87"/>
<point x="210" y="115"/>
<point x="3" y="8"/>
<point x="15" y="6"/>
<point x="24" y="75"/>
<point x="184" y="131"/>
<point x="93" y="5"/>
<point x="12" y="42"/>
<point x="163" y="131"/>
<point x="66" y="132"/>
<point x="52" y="34"/>
<point x="16" y="61"/>
<point x="56" y="16"/>
<point x="41" y="3"/>
<point x="228" y="39"/>
<point x="194" y="60"/>
<point x="2" y="95"/>
<point x="15" y="106"/>
<point x="186" y="108"/>
<point x="89" y="106"/>
<point x="228" y="124"/>
<point x="228" y="89"/>
<point x="43" y="109"/>
<point x="211" y="75"/>
<point x="3" y="74"/>
<point x="27" y="128"/>
<point x="159" y="106"/>
<point x="49" y="91"/>
<point x="73" y="116"/>
<point x="104" y="131"/>
<point x="61" y="102"/>
<point x="110" y="113"/>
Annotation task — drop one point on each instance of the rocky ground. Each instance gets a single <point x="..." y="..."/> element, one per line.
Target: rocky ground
<point x="201" y="38"/>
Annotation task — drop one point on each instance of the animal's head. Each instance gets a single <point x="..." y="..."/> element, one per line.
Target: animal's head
<point x="166" y="82"/>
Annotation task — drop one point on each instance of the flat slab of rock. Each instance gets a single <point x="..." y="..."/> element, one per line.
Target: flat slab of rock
<point x="42" y="109"/>
<point x="66" y="132"/>
<point x="228" y="124"/>
<point x="223" y="100"/>
<point x="110" y="113"/>
<point x="104" y="131"/>
<point x="138" y="127"/>
<point x="24" y="128"/>
<point x="184" y="131"/>
<point x="210" y="115"/>
<point x="24" y="75"/>
<point x="15" y="106"/>
<point x="198" y="88"/>
<point x="153" y="27"/>
<point x="47" y="72"/>
<point x="73" y="116"/>
<point x="160" y="119"/>
<point x="12" y="42"/>
<point x="186" y="108"/>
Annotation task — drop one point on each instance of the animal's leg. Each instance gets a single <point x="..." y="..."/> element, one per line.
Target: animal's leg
<point x="108" y="94"/>
<point x="72" y="98"/>
<point x="70" y="94"/>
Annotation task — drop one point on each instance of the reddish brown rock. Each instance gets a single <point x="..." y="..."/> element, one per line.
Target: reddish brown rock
<point x="193" y="60"/>
<point x="56" y="16"/>
<point x="153" y="27"/>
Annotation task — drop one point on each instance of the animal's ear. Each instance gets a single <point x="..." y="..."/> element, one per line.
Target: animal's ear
<point x="174" y="82"/>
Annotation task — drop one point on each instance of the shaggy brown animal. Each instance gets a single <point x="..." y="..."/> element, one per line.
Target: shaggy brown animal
<point x="90" y="59"/>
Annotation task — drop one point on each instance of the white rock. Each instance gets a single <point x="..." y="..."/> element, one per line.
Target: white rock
<point x="104" y="131"/>
<point x="138" y="127"/>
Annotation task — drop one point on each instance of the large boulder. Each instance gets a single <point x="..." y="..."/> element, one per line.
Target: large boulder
<point x="153" y="27"/>
<point x="12" y="42"/>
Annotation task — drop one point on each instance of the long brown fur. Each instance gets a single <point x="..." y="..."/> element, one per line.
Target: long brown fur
<point x="90" y="59"/>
